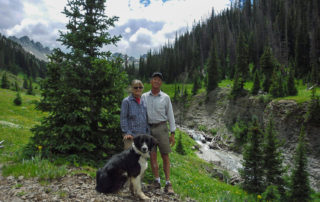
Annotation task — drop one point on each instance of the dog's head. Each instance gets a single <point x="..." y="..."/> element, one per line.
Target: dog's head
<point x="144" y="143"/>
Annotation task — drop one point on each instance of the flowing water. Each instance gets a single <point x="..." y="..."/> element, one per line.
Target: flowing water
<point x="225" y="159"/>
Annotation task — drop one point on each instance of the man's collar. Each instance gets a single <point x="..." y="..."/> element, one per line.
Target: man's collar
<point x="159" y="94"/>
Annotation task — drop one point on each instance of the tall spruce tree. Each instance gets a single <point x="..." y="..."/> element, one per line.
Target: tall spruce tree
<point x="273" y="159"/>
<point x="300" y="187"/>
<point x="252" y="172"/>
<point x="213" y="75"/>
<point x="83" y="90"/>
<point x="267" y="66"/>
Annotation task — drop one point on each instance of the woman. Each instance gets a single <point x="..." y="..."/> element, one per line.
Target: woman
<point x="133" y="116"/>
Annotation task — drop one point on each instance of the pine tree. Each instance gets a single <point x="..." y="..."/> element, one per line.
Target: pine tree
<point x="213" y="75"/>
<point x="253" y="171"/>
<point x="4" y="81"/>
<point x="313" y="113"/>
<point x="83" y="90"/>
<point x="267" y="66"/>
<point x="291" y="88"/>
<point x="300" y="187"/>
<point x="273" y="159"/>
<point x="256" y="84"/>
<point x="196" y="84"/>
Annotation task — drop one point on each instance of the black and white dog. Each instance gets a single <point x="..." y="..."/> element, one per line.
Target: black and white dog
<point x="129" y="164"/>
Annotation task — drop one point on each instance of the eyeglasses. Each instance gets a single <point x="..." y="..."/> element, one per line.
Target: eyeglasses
<point x="140" y="87"/>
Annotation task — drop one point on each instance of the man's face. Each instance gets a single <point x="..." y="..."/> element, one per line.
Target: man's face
<point x="156" y="82"/>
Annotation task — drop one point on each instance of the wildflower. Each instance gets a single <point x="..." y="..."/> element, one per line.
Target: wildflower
<point x="259" y="197"/>
<point x="40" y="147"/>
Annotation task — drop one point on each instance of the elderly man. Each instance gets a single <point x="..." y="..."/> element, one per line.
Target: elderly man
<point x="159" y="110"/>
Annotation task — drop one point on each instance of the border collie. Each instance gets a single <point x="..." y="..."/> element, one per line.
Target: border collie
<point x="129" y="164"/>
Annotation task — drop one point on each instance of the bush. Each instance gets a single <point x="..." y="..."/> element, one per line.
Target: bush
<point x="271" y="194"/>
<point x="17" y="101"/>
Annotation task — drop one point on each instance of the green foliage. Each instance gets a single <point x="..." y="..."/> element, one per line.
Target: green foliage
<point x="300" y="187"/>
<point x="256" y="84"/>
<point x="30" y="88"/>
<point x="180" y="147"/>
<point x="4" y="81"/>
<point x="267" y="65"/>
<point x="35" y="167"/>
<point x="277" y="88"/>
<point x="313" y="112"/>
<point x="82" y="92"/>
<point x="271" y="194"/>
<point x="252" y="172"/>
<point x="202" y="128"/>
<point x="240" y="131"/>
<point x="291" y="88"/>
<point x="212" y="68"/>
<point x="273" y="159"/>
<point x="196" y="84"/>
<point x="18" y="100"/>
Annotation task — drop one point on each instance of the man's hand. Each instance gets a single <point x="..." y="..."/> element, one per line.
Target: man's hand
<point x="128" y="137"/>
<point x="172" y="141"/>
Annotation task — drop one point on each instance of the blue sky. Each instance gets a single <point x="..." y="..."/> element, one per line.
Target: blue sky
<point x="143" y="24"/>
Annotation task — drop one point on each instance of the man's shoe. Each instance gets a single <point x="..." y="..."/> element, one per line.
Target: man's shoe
<point x="168" y="189"/>
<point x="155" y="184"/>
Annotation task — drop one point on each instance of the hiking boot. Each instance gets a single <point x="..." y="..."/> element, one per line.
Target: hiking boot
<point x="155" y="184"/>
<point x="168" y="189"/>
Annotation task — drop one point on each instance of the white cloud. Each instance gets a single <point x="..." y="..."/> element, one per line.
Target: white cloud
<point x="142" y="27"/>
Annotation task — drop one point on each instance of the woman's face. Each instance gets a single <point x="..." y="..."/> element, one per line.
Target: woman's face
<point x="137" y="90"/>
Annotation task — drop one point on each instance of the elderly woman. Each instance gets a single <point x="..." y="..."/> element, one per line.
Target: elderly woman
<point x="133" y="116"/>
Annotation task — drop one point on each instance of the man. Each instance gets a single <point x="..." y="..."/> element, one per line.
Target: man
<point x="159" y="110"/>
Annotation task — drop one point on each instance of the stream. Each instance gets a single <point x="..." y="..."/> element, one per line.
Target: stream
<point x="227" y="160"/>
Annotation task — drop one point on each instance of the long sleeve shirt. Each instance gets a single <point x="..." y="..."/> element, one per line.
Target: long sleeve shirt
<point x="159" y="108"/>
<point x="133" y="117"/>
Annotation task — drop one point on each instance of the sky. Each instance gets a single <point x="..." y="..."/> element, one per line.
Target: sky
<point x="143" y="24"/>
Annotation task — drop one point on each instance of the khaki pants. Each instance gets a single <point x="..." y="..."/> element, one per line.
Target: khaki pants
<point x="161" y="133"/>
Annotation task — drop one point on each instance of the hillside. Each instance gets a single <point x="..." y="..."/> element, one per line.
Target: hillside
<point x="35" y="48"/>
<point x="219" y="113"/>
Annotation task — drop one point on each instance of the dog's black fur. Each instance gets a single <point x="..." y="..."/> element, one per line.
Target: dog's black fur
<point x="129" y="164"/>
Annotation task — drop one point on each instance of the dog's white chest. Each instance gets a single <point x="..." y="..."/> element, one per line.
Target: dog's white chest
<point x="143" y="163"/>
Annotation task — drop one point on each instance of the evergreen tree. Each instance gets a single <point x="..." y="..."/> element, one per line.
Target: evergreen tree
<point x="30" y="88"/>
<point x="242" y="65"/>
<point x="253" y="171"/>
<point x="277" y="86"/>
<point x="4" y="81"/>
<point x="300" y="187"/>
<point x="196" y="84"/>
<point x="83" y="90"/>
<point x="267" y="66"/>
<point x="179" y="147"/>
<point x="18" y="100"/>
<point x="313" y="113"/>
<point x="213" y="75"/>
<point x="273" y="159"/>
<point x="256" y="84"/>
<point x="291" y="88"/>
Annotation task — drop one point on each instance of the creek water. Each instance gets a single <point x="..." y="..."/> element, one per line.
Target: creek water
<point x="226" y="159"/>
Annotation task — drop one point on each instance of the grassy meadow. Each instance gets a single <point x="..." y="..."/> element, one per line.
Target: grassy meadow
<point x="190" y="175"/>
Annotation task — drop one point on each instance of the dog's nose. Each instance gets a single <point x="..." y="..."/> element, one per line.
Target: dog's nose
<point x="144" y="149"/>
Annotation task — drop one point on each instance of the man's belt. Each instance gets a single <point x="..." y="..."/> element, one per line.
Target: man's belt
<point x="157" y="124"/>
